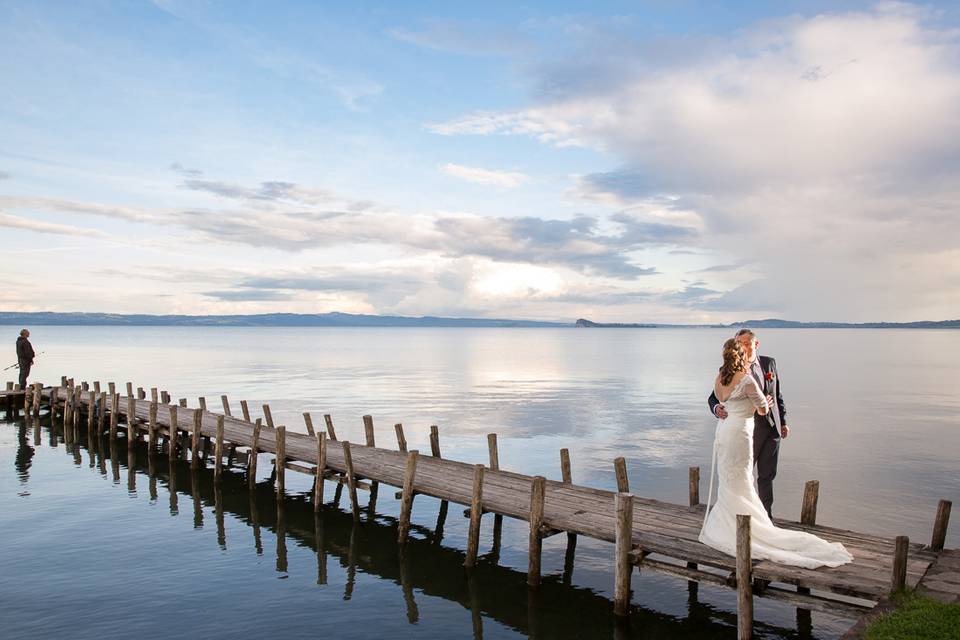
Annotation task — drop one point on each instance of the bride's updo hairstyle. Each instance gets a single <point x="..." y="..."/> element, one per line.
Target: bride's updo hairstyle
<point x="734" y="360"/>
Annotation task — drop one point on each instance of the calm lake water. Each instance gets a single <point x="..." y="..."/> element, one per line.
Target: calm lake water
<point x="103" y="546"/>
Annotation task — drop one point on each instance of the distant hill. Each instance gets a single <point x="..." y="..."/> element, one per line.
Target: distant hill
<point x="772" y="323"/>
<point x="333" y="319"/>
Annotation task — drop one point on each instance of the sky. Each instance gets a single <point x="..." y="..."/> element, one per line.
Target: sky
<point x="661" y="161"/>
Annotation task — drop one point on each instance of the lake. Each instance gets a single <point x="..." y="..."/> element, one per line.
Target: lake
<point x="104" y="546"/>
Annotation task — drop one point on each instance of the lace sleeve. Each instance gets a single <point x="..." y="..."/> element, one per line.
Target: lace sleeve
<point x="753" y="392"/>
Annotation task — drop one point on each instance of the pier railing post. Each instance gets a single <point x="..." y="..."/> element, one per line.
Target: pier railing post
<point x="694" y="486"/>
<point x="308" y="422"/>
<point x="321" y="469"/>
<point x="226" y="405"/>
<point x="623" y="505"/>
<point x="940" y="525"/>
<point x="254" y="450"/>
<point x="811" y="494"/>
<point x="281" y="459"/>
<point x="567" y="476"/>
<point x="537" y="496"/>
<point x="218" y="451"/>
<point x="368" y="431"/>
<point x="114" y="414"/>
<point x="174" y="431"/>
<point x="246" y="410"/>
<point x="476" y="511"/>
<point x="493" y="451"/>
<point x="268" y="416"/>
<point x="899" y="578"/>
<point x="434" y="441"/>
<point x="153" y="426"/>
<point x="131" y="422"/>
<point x="331" y="432"/>
<point x="744" y="580"/>
<point x="620" y="469"/>
<point x="195" y="438"/>
<point x="401" y="439"/>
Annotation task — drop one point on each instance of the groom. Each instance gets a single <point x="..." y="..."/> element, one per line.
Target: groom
<point x="768" y="429"/>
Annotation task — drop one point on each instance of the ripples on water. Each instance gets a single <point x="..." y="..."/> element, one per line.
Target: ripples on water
<point x="94" y="550"/>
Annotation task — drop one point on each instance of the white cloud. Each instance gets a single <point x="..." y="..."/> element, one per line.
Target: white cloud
<point x="16" y="222"/>
<point x="508" y="179"/>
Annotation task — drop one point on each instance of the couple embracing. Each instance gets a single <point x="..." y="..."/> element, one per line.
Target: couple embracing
<point x="752" y="420"/>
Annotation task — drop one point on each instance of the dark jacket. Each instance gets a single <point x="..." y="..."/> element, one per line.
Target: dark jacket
<point x="24" y="350"/>
<point x="777" y="416"/>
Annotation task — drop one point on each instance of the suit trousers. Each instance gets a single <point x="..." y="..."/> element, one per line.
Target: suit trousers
<point x="24" y="372"/>
<point x="766" y="453"/>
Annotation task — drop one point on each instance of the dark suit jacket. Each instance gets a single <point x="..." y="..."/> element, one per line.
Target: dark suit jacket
<point x="777" y="416"/>
<point x="24" y="351"/>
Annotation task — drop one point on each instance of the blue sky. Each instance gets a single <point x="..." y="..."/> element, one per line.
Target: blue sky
<point x="660" y="161"/>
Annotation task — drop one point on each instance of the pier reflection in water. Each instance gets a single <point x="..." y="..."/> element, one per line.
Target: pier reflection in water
<point x="423" y="568"/>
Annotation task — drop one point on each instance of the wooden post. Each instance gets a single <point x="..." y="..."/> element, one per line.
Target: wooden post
<point x="476" y="510"/>
<point x="183" y="402"/>
<point x="565" y="474"/>
<point x="808" y="512"/>
<point x="85" y="386"/>
<point x="940" y="525"/>
<point x="36" y="399"/>
<point x="54" y="394"/>
<point x="623" y="504"/>
<point x="154" y="395"/>
<point x="268" y="416"/>
<point x="308" y="421"/>
<point x="114" y="414"/>
<point x="92" y="397"/>
<point x="203" y="403"/>
<point x="195" y="438"/>
<point x="434" y="441"/>
<point x="351" y="480"/>
<point x="254" y="449"/>
<point x="129" y="389"/>
<point x="141" y="394"/>
<point x="112" y="386"/>
<point x="537" y="490"/>
<point x="152" y="427"/>
<point x="174" y="434"/>
<point x="744" y="580"/>
<point x="218" y="451"/>
<point x="226" y="406"/>
<point x="164" y="397"/>
<point x="246" y="410"/>
<point x="623" y="482"/>
<point x="131" y="422"/>
<point x="406" y="503"/>
<point x="281" y="459"/>
<point x="368" y="431"/>
<point x="101" y="409"/>
<point x="694" y="488"/>
<point x="899" y="578"/>
<point x="96" y="387"/>
<point x="321" y="469"/>
<point x="494" y="452"/>
<point x="331" y="433"/>
<point x="401" y="439"/>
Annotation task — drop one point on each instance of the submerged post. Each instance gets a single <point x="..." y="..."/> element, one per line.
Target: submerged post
<point x="623" y="504"/>
<point x="406" y="501"/>
<point x="537" y="490"/>
<point x="476" y="511"/>
<point x="940" y="525"/>
<point x="808" y="512"/>
<point x="899" y="578"/>
<point x="744" y="580"/>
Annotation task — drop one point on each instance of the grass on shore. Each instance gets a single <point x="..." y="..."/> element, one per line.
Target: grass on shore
<point x="917" y="617"/>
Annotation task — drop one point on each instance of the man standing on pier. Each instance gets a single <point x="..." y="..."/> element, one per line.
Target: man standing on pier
<point x="25" y="356"/>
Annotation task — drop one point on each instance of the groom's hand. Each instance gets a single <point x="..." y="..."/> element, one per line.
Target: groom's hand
<point x="784" y="431"/>
<point x="720" y="412"/>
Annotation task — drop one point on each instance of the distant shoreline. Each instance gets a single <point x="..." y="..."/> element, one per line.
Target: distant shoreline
<point x="336" y="319"/>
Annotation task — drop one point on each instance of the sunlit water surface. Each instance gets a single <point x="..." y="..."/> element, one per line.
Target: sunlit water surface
<point x="100" y="546"/>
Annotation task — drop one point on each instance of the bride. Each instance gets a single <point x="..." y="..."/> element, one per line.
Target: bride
<point x="733" y="459"/>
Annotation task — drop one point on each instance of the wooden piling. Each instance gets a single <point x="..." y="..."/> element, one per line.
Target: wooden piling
<point x="131" y="422"/>
<point x="406" y="502"/>
<point x="620" y="469"/>
<point x="940" y="525"/>
<point x="281" y="459"/>
<point x="476" y="511"/>
<point x="112" y="386"/>
<point x="129" y="389"/>
<point x="308" y="422"/>
<point x="96" y="387"/>
<point x="899" y="578"/>
<point x="91" y="410"/>
<point x="218" y="451"/>
<point x="623" y="568"/>
<point x="254" y="450"/>
<point x="174" y="431"/>
<point x="101" y="410"/>
<point x="141" y="394"/>
<point x="434" y="441"/>
<point x="321" y="469"/>
<point x="182" y="402"/>
<point x="351" y="480"/>
<point x="567" y="477"/>
<point x="744" y="580"/>
<point x="203" y="403"/>
<point x="694" y="486"/>
<point x="328" y="420"/>
<point x="493" y="451"/>
<point x="226" y="406"/>
<point x="195" y="438"/>
<point x="368" y="431"/>
<point x="268" y="416"/>
<point x="152" y="426"/>
<point x="401" y="439"/>
<point x="246" y="410"/>
<point x="114" y="414"/>
<point x="164" y="397"/>
<point x="808" y="512"/>
<point x="154" y="395"/>
<point x="537" y="491"/>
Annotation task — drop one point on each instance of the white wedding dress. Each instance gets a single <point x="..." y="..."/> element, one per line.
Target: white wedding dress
<point x="736" y="494"/>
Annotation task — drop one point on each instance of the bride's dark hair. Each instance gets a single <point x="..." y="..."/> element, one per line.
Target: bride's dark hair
<point x="734" y="360"/>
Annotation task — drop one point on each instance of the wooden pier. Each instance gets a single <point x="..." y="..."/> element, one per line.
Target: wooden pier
<point x="647" y="533"/>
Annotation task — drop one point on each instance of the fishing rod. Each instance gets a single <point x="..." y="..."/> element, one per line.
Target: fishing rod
<point x="16" y="365"/>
